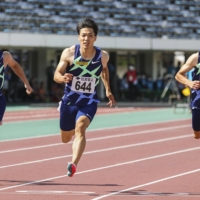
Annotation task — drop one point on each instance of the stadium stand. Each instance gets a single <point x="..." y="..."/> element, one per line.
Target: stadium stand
<point x="134" y="18"/>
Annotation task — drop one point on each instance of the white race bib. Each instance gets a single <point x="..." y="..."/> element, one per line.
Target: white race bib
<point x="83" y="84"/>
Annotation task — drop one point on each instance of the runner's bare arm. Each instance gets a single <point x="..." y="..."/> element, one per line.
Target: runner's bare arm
<point x="15" y="66"/>
<point x="180" y="76"/>
<point x="60" y="76"/>
<point x="105" y="79"/>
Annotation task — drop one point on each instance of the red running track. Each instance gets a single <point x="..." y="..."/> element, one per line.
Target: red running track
<point x="154" y="161"/>
<point x="52" y="113"/>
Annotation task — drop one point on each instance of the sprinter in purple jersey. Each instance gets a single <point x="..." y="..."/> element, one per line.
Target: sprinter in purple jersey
<point x="80" y="68"/>
<point x="193" y="62"/>
<point x="6" y="59"/>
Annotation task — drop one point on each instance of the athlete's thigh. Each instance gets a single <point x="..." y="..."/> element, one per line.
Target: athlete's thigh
<point x="67" y="117"/>
<point x="86" y="112"/>
<point x="196" y="119"/>
<point x="2" y="106"/>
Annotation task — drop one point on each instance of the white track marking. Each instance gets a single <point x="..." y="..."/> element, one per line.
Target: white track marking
<point x="29" y="138"/>
<point x="101" y="138"/>
<point x="31" y="148"/>
<point x="30" y="120"/>
<point x="100" y="129"/>
<point x="116" y="165"/>
<point x="52" y="192"/>
<point x="109" y="111"/>
<point x="101" y="150"/>
<point x="39" y="115"/>
<point x="149" y="183"/>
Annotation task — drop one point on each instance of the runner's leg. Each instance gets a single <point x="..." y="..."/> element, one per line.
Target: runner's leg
<point x="80" y="140"/>
<point x="195" y="123"/>
<point x="2" y="107"/>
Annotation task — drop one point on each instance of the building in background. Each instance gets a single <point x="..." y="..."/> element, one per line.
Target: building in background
<point x="148" y="34"/>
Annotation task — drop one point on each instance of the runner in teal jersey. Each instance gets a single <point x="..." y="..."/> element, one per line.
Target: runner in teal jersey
<point x="80" y="68"/>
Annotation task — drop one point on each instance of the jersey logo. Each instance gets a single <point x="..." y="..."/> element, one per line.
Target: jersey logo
<point x="95" y="62"/>
<point x="82" y="63"/>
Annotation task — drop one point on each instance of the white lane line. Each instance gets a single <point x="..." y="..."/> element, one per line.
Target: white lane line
<point x="30" y="120"/>
<point x="145" y="184"/>
<point x="100" y="129"/>
<point x="51" y="192"/>
<point x="98" y="151"/>
<point x="165" y="194"/>
<point x="17" y="117"/>
<point x="39" y="114"/>
<point x="101" y="138"/>
<point x="30" y="148"/>
<point x="107" y="167"/>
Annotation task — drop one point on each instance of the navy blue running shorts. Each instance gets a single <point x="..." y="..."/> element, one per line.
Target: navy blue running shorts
<point x="196" y="119"/>
<point x="2" y="106"/>
<point x="70" y="114"/>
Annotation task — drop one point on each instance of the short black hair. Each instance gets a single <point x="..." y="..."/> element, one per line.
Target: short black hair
<point x="87" y="23"/>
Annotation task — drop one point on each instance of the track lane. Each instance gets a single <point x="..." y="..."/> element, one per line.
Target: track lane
<point x="52" y="113"/>
<point x="124" y="149"/>
<point x="142" y="135"/>
<point x="142" y="170"/>
<point x="143" y="163"/>
<point x="42" y="140"/>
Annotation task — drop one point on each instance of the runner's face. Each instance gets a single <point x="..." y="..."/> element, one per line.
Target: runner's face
<point x="87" y="37"/>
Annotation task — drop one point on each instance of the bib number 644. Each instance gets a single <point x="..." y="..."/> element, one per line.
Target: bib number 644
<point x="83" y="84"/>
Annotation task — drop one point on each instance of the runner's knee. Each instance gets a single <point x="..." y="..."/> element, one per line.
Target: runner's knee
<point x="81" y="125"/>
<point x="197" y="134"/>
<point x="80" y="128"/>
<point x="196" y="137"/>
<point x="66" y="137"/>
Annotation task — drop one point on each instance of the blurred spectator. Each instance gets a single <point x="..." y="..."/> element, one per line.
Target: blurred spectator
<point x="150" y="83"/>
<point x="143" y="81"/>
<point x="35" y="95"/>
<point x="178" y="66"/>
<point x="41" y="93"/>
<point x="123" y="87"/>
<point x="14" y="85"/>
<point x="131" y="78"/>
<point x="159" y="83"/>
<point x="113" y="79"/>
<point x="56" y="92"/>
<point x="171" y="69"/>
<point x="50" y="73"/>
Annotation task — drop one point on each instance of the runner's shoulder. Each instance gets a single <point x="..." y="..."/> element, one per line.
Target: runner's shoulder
<point x="69" y="51"/>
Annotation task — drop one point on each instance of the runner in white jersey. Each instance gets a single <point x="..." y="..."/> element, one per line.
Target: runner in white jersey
<point x="80" y="68"/>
